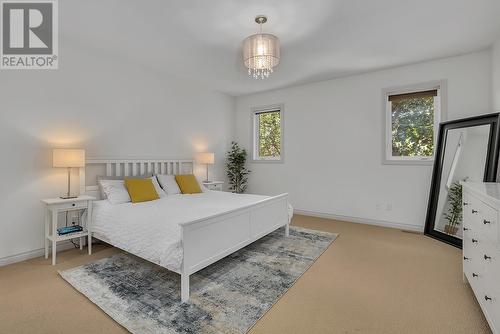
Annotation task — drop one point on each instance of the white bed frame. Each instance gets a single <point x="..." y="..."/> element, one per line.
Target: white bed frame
<point x="206" y="240"/>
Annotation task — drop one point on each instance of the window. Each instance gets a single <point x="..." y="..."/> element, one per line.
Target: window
<point x="268" y="134"/>
<point x="412" y="117"/>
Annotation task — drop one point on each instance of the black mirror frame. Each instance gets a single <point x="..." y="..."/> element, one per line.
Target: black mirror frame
<point x="490" y="170"/>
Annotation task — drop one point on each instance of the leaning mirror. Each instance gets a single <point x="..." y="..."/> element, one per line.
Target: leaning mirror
<point x="467" y="150"/>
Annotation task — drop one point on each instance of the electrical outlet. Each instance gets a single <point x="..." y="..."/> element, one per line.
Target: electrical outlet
<point x="74" y="217"/>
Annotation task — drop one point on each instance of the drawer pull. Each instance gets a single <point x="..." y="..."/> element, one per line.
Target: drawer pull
<point x="486" y="257"/>
<point x="486" y="222"/>
<point x="466" y="258"/>
<point x="487" y="298"/>
<point x="465" y="203"/>
<point x="474" y="211"/>
<point x="466" y="228"/>
<point x="474" y="240"/>
<point x="73" y="204"/>
<point x="474" y="275"/>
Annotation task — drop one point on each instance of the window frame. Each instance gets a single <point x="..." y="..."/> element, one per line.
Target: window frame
<point x="440" y="116"/>
<point x="255" y="133"/>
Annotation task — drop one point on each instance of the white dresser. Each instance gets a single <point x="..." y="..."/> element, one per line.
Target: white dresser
<point x="481" y="246"/>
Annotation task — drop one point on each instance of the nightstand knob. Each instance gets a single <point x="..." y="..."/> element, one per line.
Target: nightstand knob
<point x="73" y="204"/>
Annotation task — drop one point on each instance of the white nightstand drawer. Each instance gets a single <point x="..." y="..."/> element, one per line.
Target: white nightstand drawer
<point x="214" y="185"/>
<point x="70" y="206"/>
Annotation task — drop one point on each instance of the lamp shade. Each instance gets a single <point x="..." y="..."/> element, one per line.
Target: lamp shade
<point x="261" y="51"/>
<point x="68" y="158"/>
<point x="205" y="158"/>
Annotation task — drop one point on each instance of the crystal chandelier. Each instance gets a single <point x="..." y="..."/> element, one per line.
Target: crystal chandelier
<point x="261" y="52"/>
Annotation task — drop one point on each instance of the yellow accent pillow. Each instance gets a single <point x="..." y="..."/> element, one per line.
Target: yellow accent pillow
<point x="188" y="184"/>
<point x="141" y="190"/>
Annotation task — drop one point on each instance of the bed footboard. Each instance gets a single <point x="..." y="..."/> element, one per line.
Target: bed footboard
<point x="208" y="240"/>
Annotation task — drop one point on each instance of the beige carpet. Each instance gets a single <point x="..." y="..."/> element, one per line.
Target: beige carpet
<point x="371" y="280"/>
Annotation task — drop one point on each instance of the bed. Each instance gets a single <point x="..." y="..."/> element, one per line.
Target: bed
<point x="182" y="233"/>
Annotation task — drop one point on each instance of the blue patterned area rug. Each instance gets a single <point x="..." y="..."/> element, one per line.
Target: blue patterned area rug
<point x="226" y="297"/>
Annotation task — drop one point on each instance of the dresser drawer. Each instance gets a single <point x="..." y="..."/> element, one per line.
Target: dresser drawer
<point x="467" y="200"/>
<point x="489" y="299"/>
<point x="490" y="258"/>
<point x="484" y="219"/>
<point x="472" y="244"/>
<point x="476" y="280"/>
<point x="468" y="267"/>
<point x="473" y="261"/>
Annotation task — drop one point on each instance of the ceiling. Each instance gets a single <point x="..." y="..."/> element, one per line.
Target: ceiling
<point x="200" y="40"/>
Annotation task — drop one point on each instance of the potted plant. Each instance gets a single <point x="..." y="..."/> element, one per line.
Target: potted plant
<point x="236" y="170"/>
<point x="454" y="215"/>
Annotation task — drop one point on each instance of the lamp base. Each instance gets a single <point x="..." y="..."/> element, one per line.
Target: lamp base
<point x="67" y="197"/>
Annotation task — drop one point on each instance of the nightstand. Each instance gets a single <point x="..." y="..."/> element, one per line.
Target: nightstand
<point x="54" y="206"/>
<point x="213" y="185"/>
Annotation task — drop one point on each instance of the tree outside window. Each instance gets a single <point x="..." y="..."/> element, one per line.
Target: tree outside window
<point x="413" y="127"/>
<point x="411" y="121"/>
<point x="268" y="139"/>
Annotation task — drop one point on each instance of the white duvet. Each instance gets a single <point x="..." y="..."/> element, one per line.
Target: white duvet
<point x="151" y="229"/>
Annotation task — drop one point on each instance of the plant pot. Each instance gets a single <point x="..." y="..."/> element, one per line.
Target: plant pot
<point x="449" y="229"/>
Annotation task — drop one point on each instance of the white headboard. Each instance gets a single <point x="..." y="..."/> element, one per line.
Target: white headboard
<point x="131" y="167"/>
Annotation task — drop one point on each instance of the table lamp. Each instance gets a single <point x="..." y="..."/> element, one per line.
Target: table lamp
<point x="207" y="158"/>
<point x="68" y="158"/>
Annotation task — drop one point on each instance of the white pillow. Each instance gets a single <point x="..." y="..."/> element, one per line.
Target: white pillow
<point x="202" y="186"/>
<point x="99" y="178"/>
<point x="115" y="191"/>
<point x="171" y="187"/>
<point x="168" y="183"/>
<point x="158" y="189"/>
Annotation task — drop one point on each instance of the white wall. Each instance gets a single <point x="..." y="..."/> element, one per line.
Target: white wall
<point x="333" y="140"/>
<point x="495" y="57"/>
<point x="107" y="106"/>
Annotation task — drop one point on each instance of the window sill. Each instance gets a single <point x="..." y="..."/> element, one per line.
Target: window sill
<point x="408" y="162"/>
<point x="271" y="161"/>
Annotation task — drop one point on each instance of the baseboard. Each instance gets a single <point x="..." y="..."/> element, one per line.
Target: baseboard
<point x="367" y="221"/>
<point x="67" y="244"/>
<point x="63" y="245"/>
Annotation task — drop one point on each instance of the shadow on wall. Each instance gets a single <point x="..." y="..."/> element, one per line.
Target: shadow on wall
<point x="27" y="177"/>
